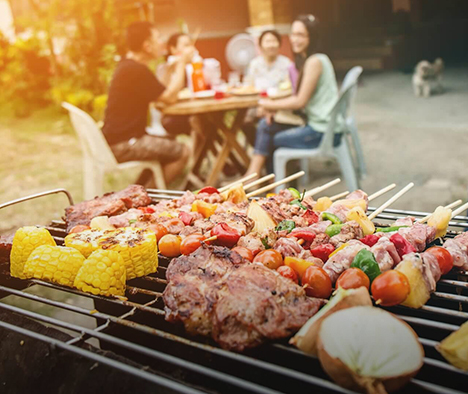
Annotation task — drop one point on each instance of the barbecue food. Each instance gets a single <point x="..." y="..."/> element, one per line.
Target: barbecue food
<point x="6" y="243"/>
<point x="458" y="248"/>
<point x="109" y="204"/>
<point x="25" y="241"/>
<point x="54" y="263"/>
<point x="85" y="242"/>
<point x="240" y="304"/>
<point x="102" y="273"/>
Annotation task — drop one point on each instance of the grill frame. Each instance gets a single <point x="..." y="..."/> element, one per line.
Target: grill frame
<point x="136" y="329"/>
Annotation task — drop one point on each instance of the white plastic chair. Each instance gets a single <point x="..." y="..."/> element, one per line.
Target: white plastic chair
<point x="326" y="149"/>
<point x="351" y="81"/>
<point x="98" y="158"/>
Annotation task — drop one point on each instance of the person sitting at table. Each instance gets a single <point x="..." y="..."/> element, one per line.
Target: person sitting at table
<point x="316" y="94"/>
<point x="132" y="89"/>
<point x="268" y="70"/>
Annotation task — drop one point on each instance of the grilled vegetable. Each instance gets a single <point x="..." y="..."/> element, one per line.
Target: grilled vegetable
<point x="322" y="204"/>
<point x="419" y="293"/>
<point x="332" y="218"/>
<point x="235" y="194"/>
<point x="288" y="272"/>
<point x="226" y="236"/>
<point x="322" y="251"/>
<point x="260" y="217"/>
<point x="390" y="288"/>
<point x="294" y="192"/>
<point x="444" y="258"/>
<point x="269" y="258"/>
<point x="169" y="245"/>
<point x="288" y="225"/>
<point x="359" y="215"/>
<point x="334" y="229"/>
<point x="440" y="220"/>
<point x="402" y="246"/>
<point x="454" y="348"/>
<point x="390" y="229"/>
<point x="339" y="249"/>
<point x="27" y="239"/>
<point x="244" y="252"/>
<point x="101" y="223"/>
<point x="316" y="282"/>
<point x="209" y="190"/>
<point x="311" y="217"/>
<point x="102" y="273"/>
<point x="191" y="243"/>
<point x="298" y="265"/>
<point x="353" y="278"/>
<point x="54" y="263"/>
<point x="204" y="208"/>
<point x="370" y="240"/>
<point x="186" y="218"/>
<point x="366" y="262"/>
<point x="298" y="203"/>
<point x="85" y="242"/>
<point x="137" y="247"/>
<point x="307" y="236"/>
<point x="306" y="338"/>
<point x="369" y="350"/>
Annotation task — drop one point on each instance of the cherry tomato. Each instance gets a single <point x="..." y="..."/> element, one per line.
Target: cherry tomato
<point x="191" y="243"/>
<point x="169" y="245"/>
<point x="244" y="252"/>
<point x="147" y="209"/>
<point x="390" y="288"/>
<point x="79" y="228"/>
<point x="353" y="278"/>
<point x="316" y="282"/>
<point x="288" y="272"/>
<point x="270" y="258"/>
<point x="158" y="229"/>
<point x="444" y="258"/>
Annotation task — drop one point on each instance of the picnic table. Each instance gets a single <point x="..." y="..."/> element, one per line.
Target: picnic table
<point x="213" y="111"/>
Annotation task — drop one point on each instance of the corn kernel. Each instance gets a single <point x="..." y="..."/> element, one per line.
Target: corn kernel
<point x="25" y="241"/>
<point x="96" y="279"/>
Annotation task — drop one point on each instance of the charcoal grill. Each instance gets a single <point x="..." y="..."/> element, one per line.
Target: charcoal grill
<point x="141" y="352"/>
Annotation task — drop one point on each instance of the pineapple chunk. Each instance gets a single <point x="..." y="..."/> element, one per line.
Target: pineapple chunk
<point x="412" y="268"/>
<point x="359" y="215"/>
<point x="352" y="204"/>
<point x="235" y="194"/>
<point x="260" y="217"/>
<point x="323" y="203"/>
<point x="440" y="220"/>
<point x="101" y="223"/>
<point x="454" y="348"/>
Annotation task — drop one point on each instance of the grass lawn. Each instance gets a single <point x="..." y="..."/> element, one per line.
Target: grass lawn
<point x="39" y="153"/>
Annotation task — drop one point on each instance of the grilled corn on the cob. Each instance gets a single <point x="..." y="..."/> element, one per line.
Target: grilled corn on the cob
<point x="137" y="247"/>
<point x="102" y="273"/>
<point x="25" y="241"/>
<point x="54" y="263"/>
<point x="86" y="242"/>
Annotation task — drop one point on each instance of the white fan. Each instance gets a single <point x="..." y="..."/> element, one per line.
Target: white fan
<point x="240" y="50"/>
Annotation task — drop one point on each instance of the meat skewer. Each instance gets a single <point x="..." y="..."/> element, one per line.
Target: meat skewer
<point x="452" y="205"/>
<point x="340" y="195"/>
<point x="380" y="192"/>
<point x="248" y="177"/>
<point x="323" y="187"/>
<point x="275" y="184"/>
<point x="259" y="181"/>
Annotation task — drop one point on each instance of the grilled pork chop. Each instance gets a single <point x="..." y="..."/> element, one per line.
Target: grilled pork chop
<point x="109" y="204"/>
<point x="216" y="292"/>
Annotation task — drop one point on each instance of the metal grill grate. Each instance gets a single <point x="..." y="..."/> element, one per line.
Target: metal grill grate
<point x="135" y="329"/>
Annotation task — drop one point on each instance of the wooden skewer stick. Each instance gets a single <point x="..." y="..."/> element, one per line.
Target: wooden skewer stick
<point x="213" y="238"/>
<point x="301" y="242"/>
<point x="458" y="211"/>
<point x="259" y="181"/>
<point x="248" y="177"/>
<point x="276" y="184"/>
<point x="338" y="196"/>
<point x="391" y="201"/>
<point x="319" y="189"/>
<point x="450" y="206"/>
<point x="381" y="191"/>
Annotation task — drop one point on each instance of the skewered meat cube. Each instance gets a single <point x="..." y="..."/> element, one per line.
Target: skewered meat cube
<point x="385" y="254"/>
<point x="350" y="230"/>
<point x="458" y="248"/>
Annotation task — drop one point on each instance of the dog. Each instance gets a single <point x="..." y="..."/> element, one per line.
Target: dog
<point x="427" y="78"/>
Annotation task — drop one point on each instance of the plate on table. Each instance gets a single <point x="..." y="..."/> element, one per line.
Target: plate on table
<point x="204" y="94"/>
<point x="244" y="91"/>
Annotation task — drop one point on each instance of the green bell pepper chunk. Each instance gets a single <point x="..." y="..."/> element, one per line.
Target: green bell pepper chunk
<point x="298" y="203"/>
<point x="333" y="229"/>
<point x="389" y="229"/>
<point x="295" y="193"/>
<point x="288" y="225"/>
<point x="365" y="261"/>
<point x="332" y="218"/>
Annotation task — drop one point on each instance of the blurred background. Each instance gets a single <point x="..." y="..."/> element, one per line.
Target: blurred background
<point x="54" y="50"/>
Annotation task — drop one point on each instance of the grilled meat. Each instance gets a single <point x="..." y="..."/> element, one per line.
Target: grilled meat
<point x="350" y="230"/>
<point x="418" y="235"/>
<point x="216" y="292"/>
<point x="385" y="254"/>
<point x="6" y="243"/>
<point x="458" y="248"/>
<point x="110" y="204"/>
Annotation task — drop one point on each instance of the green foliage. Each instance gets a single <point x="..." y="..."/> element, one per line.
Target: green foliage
<point x="71" y="56"/>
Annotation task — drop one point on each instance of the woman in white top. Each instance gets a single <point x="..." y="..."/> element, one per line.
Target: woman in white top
<point x="270" y="68"/>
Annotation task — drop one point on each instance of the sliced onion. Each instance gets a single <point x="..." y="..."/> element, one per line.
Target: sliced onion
<point x="368" y="349"/>
<point x="306" y="338"/>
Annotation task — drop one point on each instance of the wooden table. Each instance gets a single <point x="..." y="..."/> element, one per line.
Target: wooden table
<point x="213" y="111"/>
